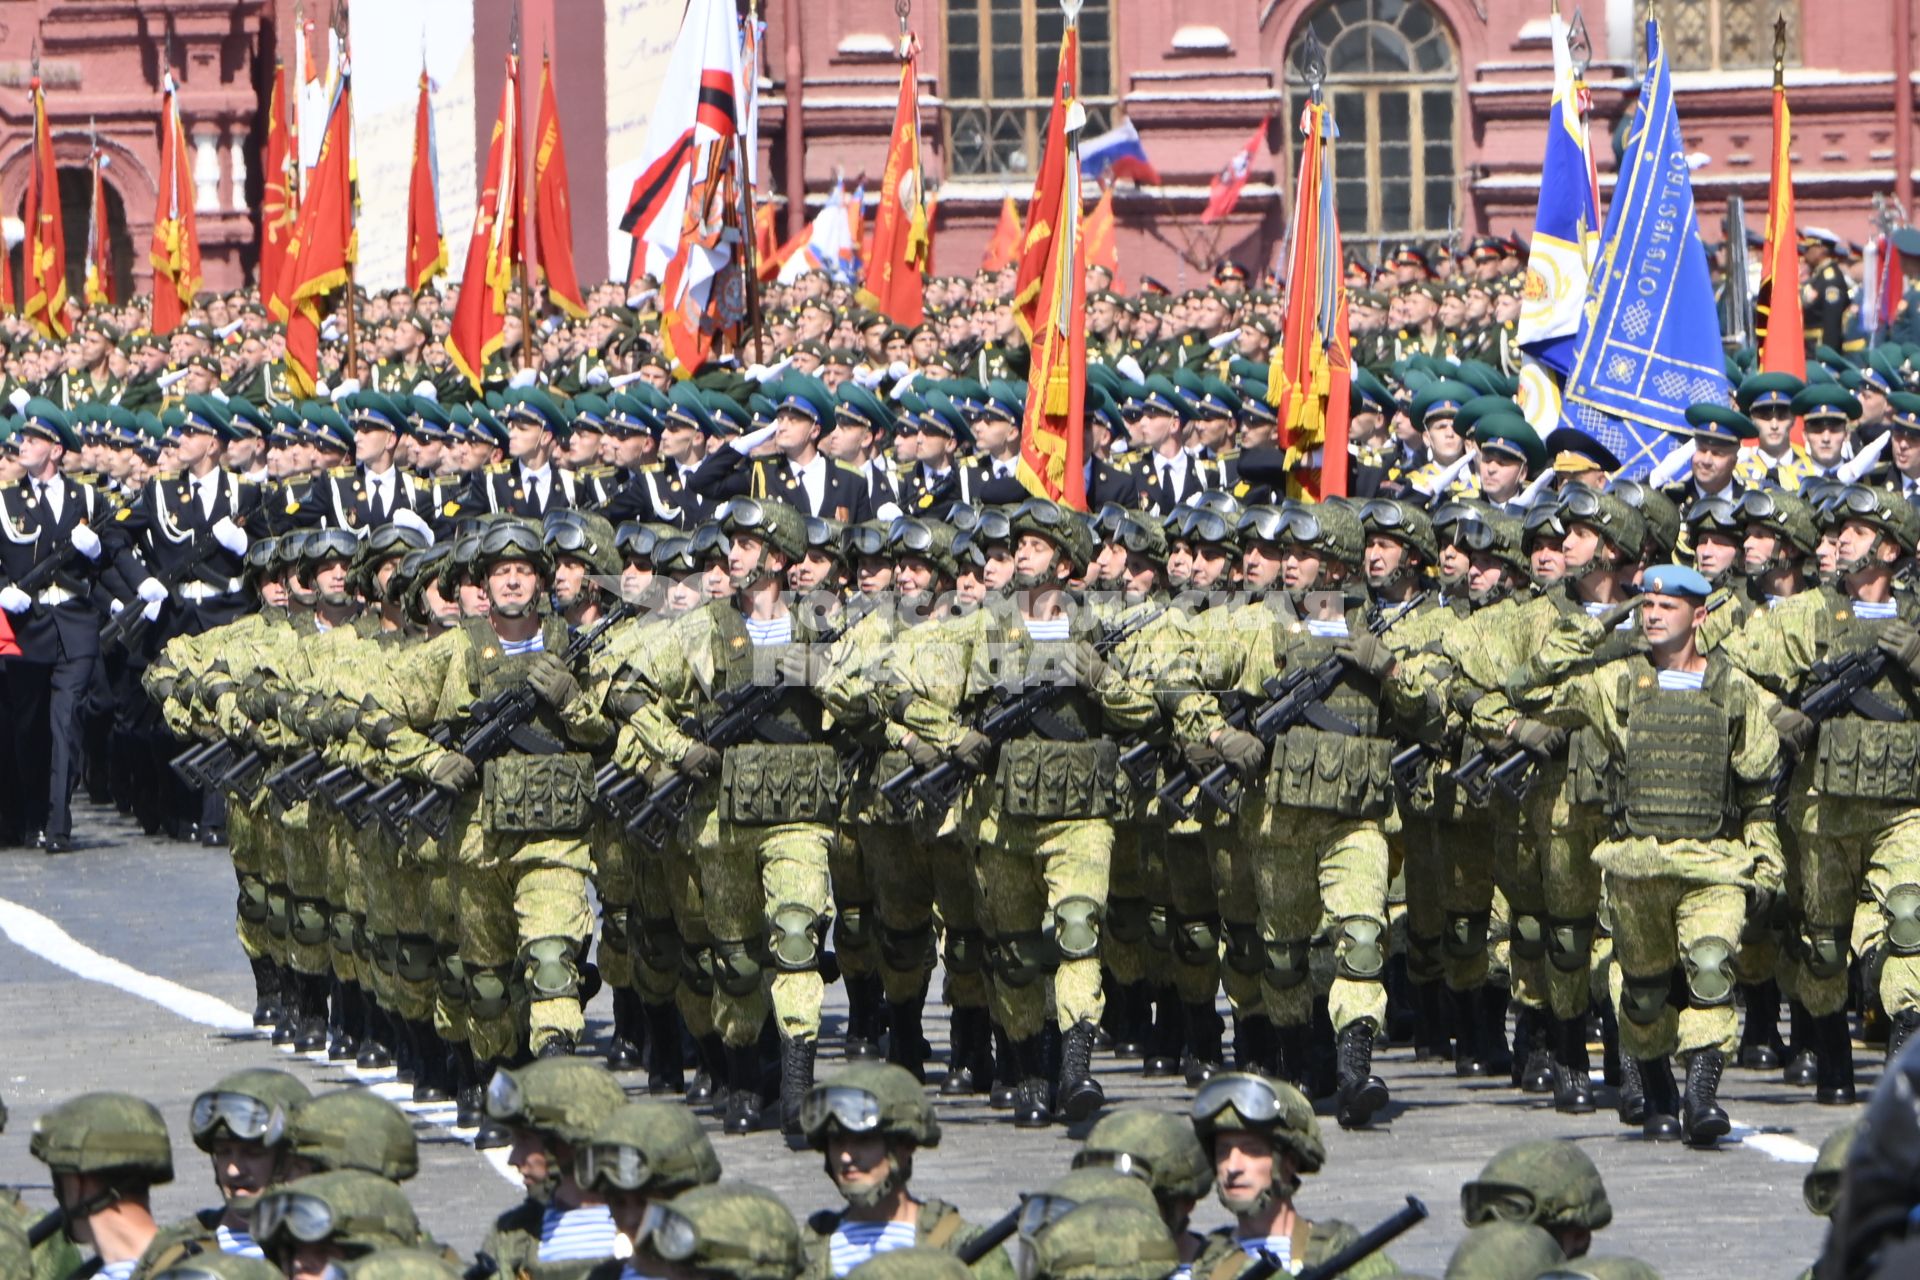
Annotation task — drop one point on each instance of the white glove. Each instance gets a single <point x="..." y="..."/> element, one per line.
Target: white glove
<point x="230" y="535"/>
<point x="219" y="395"/>
<point x="898" y="369"/>
<point x="869" y="378"/>
<point x="116" y="607"/>
<point x="347" y="387"/>
<point x="1131" y="367"/>
<point x="152" y="590"/>
<point x="751" y="440"/>
<point x="887" y="511"/>
<point x="1226" y="339"/>
<point x="14" y="600"/>
<point x="905" y="384"/>
<point x="152" y="611"/>
<point x="596" y="377"/>
<point x="18" y="397"/>
<point x="86" y="542"/>
<point x="426" y="391"/>
<point x="523" y="378"/>
<point x="408" y="518"/>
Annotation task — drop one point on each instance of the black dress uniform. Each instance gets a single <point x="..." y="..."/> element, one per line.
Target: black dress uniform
<point x="1824" y="304"/>
<point x="1108" y="483"/>
<point x="1165" y="483"/>
<point x="728" y="473"/>
<point x="353" y="498"/>
<point x="512" y="488"/>
<point x="59" y="639"/>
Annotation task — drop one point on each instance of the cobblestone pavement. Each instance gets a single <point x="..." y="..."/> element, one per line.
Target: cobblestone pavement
<point x="163" y="912"/>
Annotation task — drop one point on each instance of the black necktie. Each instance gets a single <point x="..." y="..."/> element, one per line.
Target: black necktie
<point x="533" y="491"/>
<point x="198" y="510"/>
<point x="379" y="488"/>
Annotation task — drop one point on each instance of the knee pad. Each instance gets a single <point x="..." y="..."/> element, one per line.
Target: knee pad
<point x="551" y="967"/>
<point x="1709" y="969"/>
<point x="852" y="927"/>
<point x="615" y="935"/>
<point x="362" y="940"/>
<point x="1246" y="954"/>
<point x="413" y="958"/>
<point x="1361" y="952"/>
<point x="340" y="929"/>
<point x="279" y="911"/>
<point x="384" y="950"/>
<point x="736" y="970"/>
<point x="1570" y="942"/>
<point x="1826" y="948"/>
<point x="307" y="921"/>
<point x="793" y="937"/>
<point x="1159" y="928"/>
<point x="1466" y="935"/>
<point x="1129" y="920"/>
<point x="489" y="990"/>
<point x="251" y="905"/>
<point x="1902" y="910"/>
<point x="1529" y="938"/>
<point x="1076" y="928"/>
<point x="907" y="949"/>
<point x="656" y="945"/>
<point x="1019" y="959"/>
<point x="965" y="950"/>
<point x="1285" y="965"/>
<point x="452" y="975"/>
<point x="697" y="967"/>
<point x="1643" y="1000"/>
<point x="1196" y="939"/>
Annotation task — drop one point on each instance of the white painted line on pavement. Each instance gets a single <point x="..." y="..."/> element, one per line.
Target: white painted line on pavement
<point x="1777" y="1146"/>
<point x="31" y="931"/>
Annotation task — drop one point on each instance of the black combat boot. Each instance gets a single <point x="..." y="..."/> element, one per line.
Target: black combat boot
<point x="625" y="1042"/>
<point x="1572" y="1085"/>
<point x="1203" y="1057"/>
<point x="1168" y="1036"/>
<point x="311" y="1034"/>
<point x="1431" y="1041"/>
<point x="1032" y="1097"/>
<point x="1632" y="1102"/>
<point x="1079" y="1096"/>
<point x="286" y="1029"/>
<point x="966" y="1028"/>
<point x="433" y="1079"/>
<point x="711" y="1082"/>
<point x="1609" y="1044"/>
<point x="1490" y="1034"/>
<point x="980" y="1061"/>
<point x="1760" y="1046"/>
<point x="866" y="996"/>
<point x="1802" y="1066"/>
<point x="1700" y="1112"/>
<point x="1007" y="1066"/>
<point x="1469" y="1059"/>
<point x="1361" y="1092"/>
<point x="1904" y="1023"/>
<point x="266" y="991"/>
<point x="1321" y="1056"/>
<point x="1403" y="1009"/>
<point x="341" y="1013"/>
<point x="796" y="1078"/>
<point x="1833" y="1087"/>
<point x="491" y="1132"/>
<point x="466" y="1075"/>
<point x="1253" y="1042"/>
<point x="744" y="1101"/>
<point x="904" y="1039"/>
<point x="1662" y="1122"/>
<point x="376" y="1036"/>
<point x="1130" y="1018"/>
<point x="1533" y="1058"/>
<point x="665" y="1058"/>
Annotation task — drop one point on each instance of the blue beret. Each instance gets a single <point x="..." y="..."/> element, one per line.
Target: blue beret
<point x="1675" y="580"/>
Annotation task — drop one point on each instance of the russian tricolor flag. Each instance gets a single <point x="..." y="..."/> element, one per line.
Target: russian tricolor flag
<point x="1118" y="152"/>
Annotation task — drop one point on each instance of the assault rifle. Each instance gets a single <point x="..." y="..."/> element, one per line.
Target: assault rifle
<point x="293" y="781"/>
<point x="1843" y="682"/>
<point x="1298" y="697"/>
<point x="201" y="763"/>
<point x="939" y="786"/>
<point x="125" y="626"/>
<point x="738" y="714"/>
<point x="503" y="722"/>
<point x="1370" y="1242"/>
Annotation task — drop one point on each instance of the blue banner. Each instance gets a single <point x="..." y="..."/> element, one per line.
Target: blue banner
<point x="1650" y="344"/>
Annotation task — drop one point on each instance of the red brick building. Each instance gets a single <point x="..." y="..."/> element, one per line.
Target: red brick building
<point x="1441" y="106"/>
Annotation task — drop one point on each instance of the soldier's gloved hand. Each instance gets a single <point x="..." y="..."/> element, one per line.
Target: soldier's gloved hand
<point x="802" y="665"/>
<point x="700" y="761"/>
<point x="453" y="772"/>
<point x="552" y="681"/>
<point x="1244" y="753"/>
<point x="254" y="701"/>
<point x="1369" y="653"/>
<point x="923" y="753"/>
<point x="1202" y="757"/>
<point x="333" y="720"/>
<point x="1541" y="739"/>
<point x="14" y="600"/>
<point x="1899" y="641"/>
<point x="86" y="542"/>
<point x="973" y="750"/>
<point x="1083" y="664"/>
<point x="1795" y="729"/>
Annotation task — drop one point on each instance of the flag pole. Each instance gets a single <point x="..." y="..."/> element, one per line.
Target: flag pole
<point x="524" y="213"/>
<point x="353" y="326"/>
<point x="749" y="220"/>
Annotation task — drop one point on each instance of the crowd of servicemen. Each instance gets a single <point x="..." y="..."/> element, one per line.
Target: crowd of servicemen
<point x="1667" y="841"/>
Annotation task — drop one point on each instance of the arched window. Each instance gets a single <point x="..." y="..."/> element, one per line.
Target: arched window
<point x="1001" y="59"/>
<point x="1393" y="86"/>
<point x="1719" y="35"/>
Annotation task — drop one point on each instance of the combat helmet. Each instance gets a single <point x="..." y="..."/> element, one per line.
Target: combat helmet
<point x="1883" y="509"/>
<point x="1406" y="523"/>
<point x="585" y="536"/>
<point x="1240" y="1101"/>
<point x="1821" y="1186"/>
<point x="403" y="1264"/>
<point x="565" y="1098"/>
<point x="1620" y="524"/>
<point x="1502" y="1249"/>
<point x="1785" y="516"/>
<point x="656" y="1147"/>
<point x="1548" y="1181"/>
<point x="1331" y="529"/>
<point x="735" y="1229"/>
<point x="1157" y="1146"/>
<point x="354" y="1211"/>
<point x="242" y="1106"/>
<point x="1107" y="1239"/>
<point x="918" y="1262"/>
<point x="930" y="540"/>
<point x="1601" y="1268"/>
<point x="1061" y="526"/>
<point x="352" y="1129"/>
<point x="871" y="1098"/>
<point x="511" y="538"/>
<point x="779" y="525"/>
<point x="105" y="1134"/>
<point x="210" y="1264"/>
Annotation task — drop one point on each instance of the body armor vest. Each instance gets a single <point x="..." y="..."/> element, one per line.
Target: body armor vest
<point x="526" y="792"/>
<point x="789" y="774"/>
<point x="1676" y="781"/>
<point x="1340" y="773"/>
<point x="1590" y="769"/>
<point x="1063" y="767"/>
<point x="1859" y="757"/>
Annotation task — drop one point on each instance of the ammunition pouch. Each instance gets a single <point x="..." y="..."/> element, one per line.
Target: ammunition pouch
<point x="1047" y="779"/>
<point x="1591" y="778"/>
<point x="538" y="795"/>
<point x="1865" y="759"/>
<point x="1332" y="772"/>
<point x="766" y="783"/>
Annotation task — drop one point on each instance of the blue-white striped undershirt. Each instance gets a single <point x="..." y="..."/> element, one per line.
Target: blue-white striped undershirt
<point x="853" y="1243"/>
<point x="576" y="1235"/>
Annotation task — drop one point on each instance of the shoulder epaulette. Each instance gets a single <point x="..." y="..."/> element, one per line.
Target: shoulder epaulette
<point x="344" y="473"/>
<point x="499" y="468"/>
